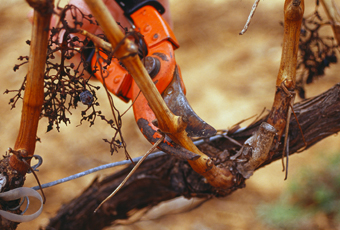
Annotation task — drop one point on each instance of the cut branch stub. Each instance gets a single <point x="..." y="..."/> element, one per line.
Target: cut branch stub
<point x="256" y="148"/>
<point x="96" y="40"/>
<point x="172" y="125"/>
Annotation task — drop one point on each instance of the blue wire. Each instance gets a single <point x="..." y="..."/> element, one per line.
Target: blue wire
<point x="102" y="167"/>
<point x="114" y="164"/>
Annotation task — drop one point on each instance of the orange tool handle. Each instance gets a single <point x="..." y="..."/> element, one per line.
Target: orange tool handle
<point x="161" y="43"/>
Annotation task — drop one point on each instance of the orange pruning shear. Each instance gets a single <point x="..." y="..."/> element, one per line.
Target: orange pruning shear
<point x="160" y="63"/>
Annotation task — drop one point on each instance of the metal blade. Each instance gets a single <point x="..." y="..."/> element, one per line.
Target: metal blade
<point x="174" y="97"/>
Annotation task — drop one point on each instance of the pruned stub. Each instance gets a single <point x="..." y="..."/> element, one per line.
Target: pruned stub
<point x="255" y="150"/>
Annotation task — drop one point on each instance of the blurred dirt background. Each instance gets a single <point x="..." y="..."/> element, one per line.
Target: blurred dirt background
<point x="228" y="78"/>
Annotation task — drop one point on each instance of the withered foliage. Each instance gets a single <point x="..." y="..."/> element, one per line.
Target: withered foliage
<point x="65" y="82"/>
<point x="317" y="52"/>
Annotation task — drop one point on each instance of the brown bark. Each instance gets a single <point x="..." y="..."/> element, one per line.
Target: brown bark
<point x="166" y="177"/>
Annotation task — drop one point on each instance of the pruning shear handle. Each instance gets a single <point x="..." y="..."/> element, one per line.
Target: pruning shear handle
<point x="162" y="68"/>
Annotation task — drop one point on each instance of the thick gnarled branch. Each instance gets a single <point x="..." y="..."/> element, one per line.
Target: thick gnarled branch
<point x="165" y="177"/>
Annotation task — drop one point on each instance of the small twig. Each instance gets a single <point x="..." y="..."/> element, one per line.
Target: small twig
<point x="99" y="42"/>
<point x="291" y="95"/>
<point x="37" y="179"/>
<point x="131" y="104"/>
<point x="285" y="151"/>
<point x="131" y="172"/>
<point x="252" y="12"/>
<point x="287" y="157"/>
<point x="118" y="121"/>
<point x="225" y="135"/>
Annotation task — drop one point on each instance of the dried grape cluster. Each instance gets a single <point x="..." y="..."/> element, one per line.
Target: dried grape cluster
<point x="316" y="52"/>
<point x="65" y="84"/>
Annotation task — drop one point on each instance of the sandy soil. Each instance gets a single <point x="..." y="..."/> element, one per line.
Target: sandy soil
<point x="228" y="78"/>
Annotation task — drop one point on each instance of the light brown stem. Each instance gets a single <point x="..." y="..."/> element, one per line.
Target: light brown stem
<point x="293" y="14"/>
<point x="333" y="14"/>
<point x="34" y="90"/>
<point x="168" y="123"/>
<point x="259" y="144"/>
<point x="96" y="40"/>
<point x="286" y="79"/>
